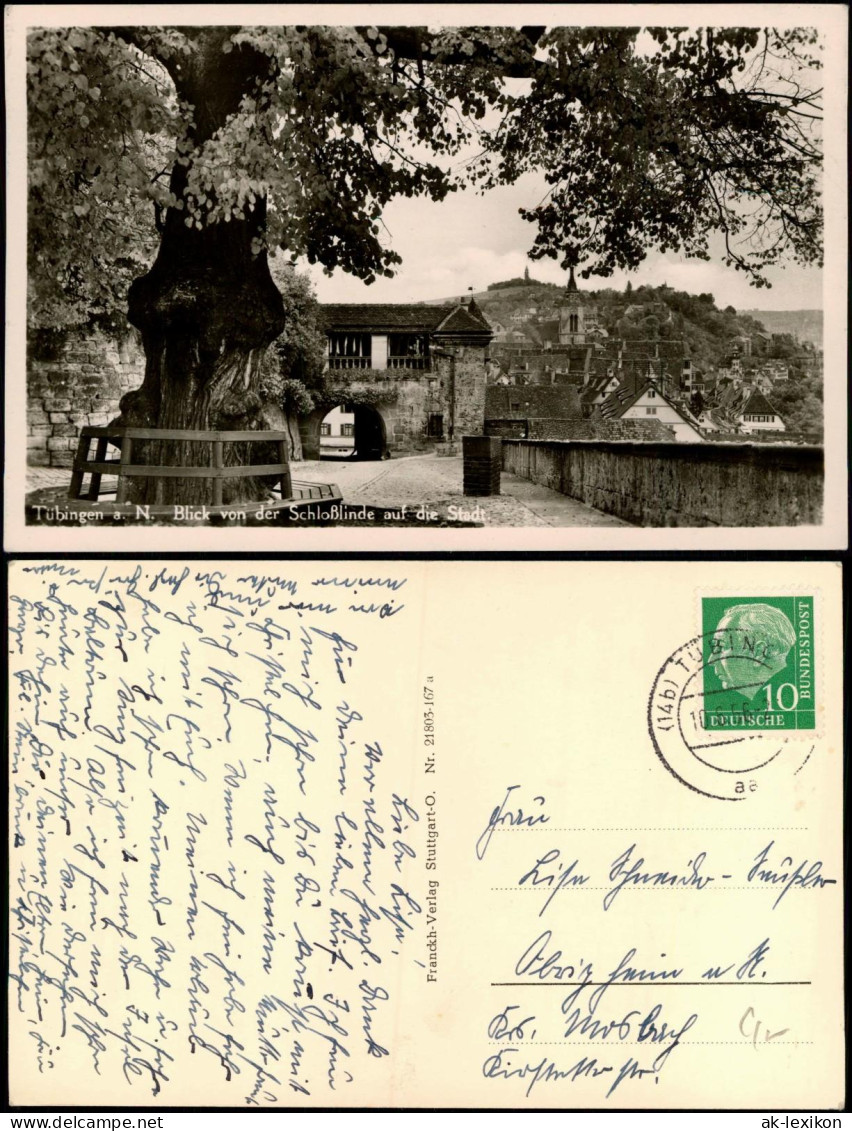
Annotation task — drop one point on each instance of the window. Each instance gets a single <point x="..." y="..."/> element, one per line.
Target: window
<point x="347" y="429"/>
<point x="515" y="406"/>
<point x="349" y="351"/>
<point x="650" y="410"/>
<point x="573" y="323"/>
<point x="435" y="427"/>
<point x="325" y="430"/>
<point x="408" y="351"/>
<point x="652" y="393"/>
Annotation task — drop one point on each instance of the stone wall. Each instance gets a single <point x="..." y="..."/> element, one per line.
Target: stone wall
<point x="403" y="399"/>
<point x="74" y="379"/>
<point x="417" y="394"/>
<point x="671" y="484"/>
<point x="514" y="429"/>
<point x="78" y="377"/>
<point x="470" y="390"/>
<point x="406" y="398"/>
<point x="593" y="429"/>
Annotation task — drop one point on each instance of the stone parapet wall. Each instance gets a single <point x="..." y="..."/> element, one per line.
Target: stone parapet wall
<point x="73" y="380"/>
<point x="767" y="437"/>
<point x="641" y="430"/>
<point x="671" y="484"/>
<point x="570" y="429"/>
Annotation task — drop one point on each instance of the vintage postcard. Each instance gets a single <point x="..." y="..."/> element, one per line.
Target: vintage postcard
<point x="426" y="834"/>
<point x="462" y="276"/>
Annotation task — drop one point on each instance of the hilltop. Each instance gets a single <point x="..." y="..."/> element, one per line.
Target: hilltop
<point x="648" y="312"/>
<point x="509" y="289"/>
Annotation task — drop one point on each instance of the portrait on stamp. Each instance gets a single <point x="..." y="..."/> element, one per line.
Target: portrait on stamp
<point x="760" y="669"/>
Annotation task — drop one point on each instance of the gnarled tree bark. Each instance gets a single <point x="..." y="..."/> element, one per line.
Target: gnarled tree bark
<point x="208" y="307"/>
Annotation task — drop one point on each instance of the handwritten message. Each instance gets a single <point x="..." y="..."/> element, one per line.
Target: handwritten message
<point x="216" y="858"/>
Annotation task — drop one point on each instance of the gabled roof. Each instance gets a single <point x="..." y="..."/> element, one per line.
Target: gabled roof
<point x="731" y="398"/>
<point x="383" y="317"/>
<point x="595" y="387"/>
<point x="476" y="311"/>
<point x="413" y="318"/>
<point x="623" y="398"/>
<point x="463" y="320"/>
<point x="758" y="405"/>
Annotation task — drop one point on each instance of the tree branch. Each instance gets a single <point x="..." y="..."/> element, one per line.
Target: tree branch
<point x="418" y="44"/>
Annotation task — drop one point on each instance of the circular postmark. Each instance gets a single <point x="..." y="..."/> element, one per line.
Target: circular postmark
<point x="723" y="739"/>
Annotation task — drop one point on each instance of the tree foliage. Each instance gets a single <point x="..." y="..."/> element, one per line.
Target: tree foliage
<point x="101" y="126"/>
<point x="329" y="395"/>
<point x="660" y="139"/>
<point x="297" y="356"/>
<point x="800" y="403"/>
<point x="648" y="139"/>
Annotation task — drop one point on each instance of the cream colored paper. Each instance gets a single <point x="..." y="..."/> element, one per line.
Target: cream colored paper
<point x="289" y="833"/>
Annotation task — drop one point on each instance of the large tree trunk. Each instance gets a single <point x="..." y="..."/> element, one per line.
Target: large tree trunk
<point x="207" y="309"/>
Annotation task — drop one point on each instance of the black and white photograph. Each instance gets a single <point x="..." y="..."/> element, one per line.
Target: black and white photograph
<point x="400" y="274"/>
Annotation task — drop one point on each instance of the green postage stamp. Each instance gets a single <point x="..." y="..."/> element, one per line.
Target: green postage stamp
<point x="758" y="663"/>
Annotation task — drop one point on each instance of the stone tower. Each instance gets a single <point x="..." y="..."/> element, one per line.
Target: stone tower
<point x="572" y="315"/>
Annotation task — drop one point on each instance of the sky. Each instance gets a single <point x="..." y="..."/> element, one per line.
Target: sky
<point x="471" y="240"/>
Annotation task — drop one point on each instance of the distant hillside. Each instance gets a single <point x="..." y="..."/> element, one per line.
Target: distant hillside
<point x="806" y="325"/>
<point x="500" y="293"/>
<point x="642" y="313"/>
<point x="646" y="312"/>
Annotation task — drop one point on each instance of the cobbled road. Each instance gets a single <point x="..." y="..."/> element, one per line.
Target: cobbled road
<point x="437" y="480"/>
<point x="417" y="480"/>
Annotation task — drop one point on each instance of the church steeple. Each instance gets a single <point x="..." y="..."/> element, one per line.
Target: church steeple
<point x="572" y="316"/>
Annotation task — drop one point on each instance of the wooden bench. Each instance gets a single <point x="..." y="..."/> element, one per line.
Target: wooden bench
<point x="125" y="469"/>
